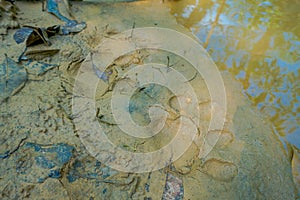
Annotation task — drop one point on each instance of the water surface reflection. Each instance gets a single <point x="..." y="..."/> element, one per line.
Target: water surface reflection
<point x="258" y="43"/>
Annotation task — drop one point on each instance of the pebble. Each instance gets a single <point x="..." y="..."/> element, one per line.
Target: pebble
<point x="220" y="170"/>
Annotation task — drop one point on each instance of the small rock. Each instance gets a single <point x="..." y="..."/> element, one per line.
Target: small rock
<point x="185" y="163"/>
<point x="220" y="170"/>
<point x="173" y="188"/>
<point x="220" y="138"/>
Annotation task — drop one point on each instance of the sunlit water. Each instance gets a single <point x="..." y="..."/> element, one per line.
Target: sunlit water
<point x="258" y="43"/>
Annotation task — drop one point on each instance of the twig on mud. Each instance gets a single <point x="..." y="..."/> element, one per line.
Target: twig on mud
<point x="106" y="122"/>
<point x="133" y="27"/>
<point x="6" y="71"/>
<point x="171" y="65"/>
<point x="168" y="63"/>
<point x="193" y="77"/>
<point x="14" y="150"/>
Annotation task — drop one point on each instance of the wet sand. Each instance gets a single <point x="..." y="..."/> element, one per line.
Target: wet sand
<point x="42" y="155"/>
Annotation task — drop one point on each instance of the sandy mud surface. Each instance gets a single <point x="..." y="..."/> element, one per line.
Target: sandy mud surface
<point x="42" y="156"/>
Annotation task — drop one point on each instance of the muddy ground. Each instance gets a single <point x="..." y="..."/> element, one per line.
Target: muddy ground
<point x="42" y="156"/>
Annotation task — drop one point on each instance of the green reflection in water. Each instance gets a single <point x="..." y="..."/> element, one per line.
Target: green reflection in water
<point x="258" y="43"/>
